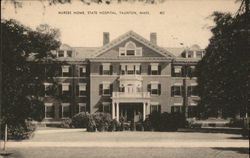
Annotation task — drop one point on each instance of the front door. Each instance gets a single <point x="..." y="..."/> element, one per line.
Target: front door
<point x="131" y="111"/>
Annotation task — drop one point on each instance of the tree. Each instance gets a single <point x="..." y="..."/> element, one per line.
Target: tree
<point x="22" y="81"/>
<point x="223" y="74"/>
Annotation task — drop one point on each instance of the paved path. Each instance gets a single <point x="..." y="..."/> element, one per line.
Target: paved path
<point x="166" y="144"/>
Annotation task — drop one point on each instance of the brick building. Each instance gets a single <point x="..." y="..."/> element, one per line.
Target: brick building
<point x="128" y="77"/>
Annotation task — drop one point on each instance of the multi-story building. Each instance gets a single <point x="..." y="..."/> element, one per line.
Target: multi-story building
<point x="128" y="77"/>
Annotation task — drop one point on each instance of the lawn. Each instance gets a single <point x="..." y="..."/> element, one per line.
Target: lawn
<point x="74" y="143"/>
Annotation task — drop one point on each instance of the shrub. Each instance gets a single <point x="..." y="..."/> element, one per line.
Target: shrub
<point x="81" y="120"/>
<point x="66" y="123"/>
<point x="20" y="131"/>
<point x="147" y="125"/>
<point x="164" y="121"/>
<point x="91" y="126"/>
<point x="236" y="123"/>
<point x="115" y="125"/>
<point x="102" y="121"/>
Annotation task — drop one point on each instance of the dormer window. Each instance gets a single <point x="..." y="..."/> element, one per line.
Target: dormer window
<point x="130" y="49"/>
<point x="69" y="53"/>
<point x="60" y="53"/>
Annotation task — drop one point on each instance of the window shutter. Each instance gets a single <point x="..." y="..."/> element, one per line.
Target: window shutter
<point x="111" y="89"/>
<point x="111" y="70"/>
<point x="149" y="69"/>
<point x="120" y="69"/>
<point x="172" y="91"/>
<point x="100" y="89"/>
<point x="159" y="89"/>
<point x="189" y="91"/>
<point x="159" y="108"/>
<point x="100" y="69"/>
<point x="149" y="88"/>
<point x="183" y="91"/>
<point x="60" y="110"/>
<point x="159" y="70"/>
<point x="70" y="90"/>
<point x="172" y="72"/>
<point x="77" y="90"/>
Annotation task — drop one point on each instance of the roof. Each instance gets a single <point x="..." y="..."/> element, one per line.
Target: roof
<point x="85" y="52"/>
<point x="132" y="34"/>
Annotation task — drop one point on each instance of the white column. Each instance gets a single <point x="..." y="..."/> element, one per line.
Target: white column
<point x="117" y="111"/>
<point x="113" y="110"/>
<point x="144" y="111"/>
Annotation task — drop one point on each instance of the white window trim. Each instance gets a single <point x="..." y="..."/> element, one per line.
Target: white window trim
<point x="83" y="68"/>
<point x="106" y="104"/>
<point x="178" y="85"/>
<point x="64" y="105"/>
<point x="65" y="84"/>
<point x="82" y="84"/>
<point x="45" y="109"/>
<point x="63" y="67"/>
<point x="82" y="105"/>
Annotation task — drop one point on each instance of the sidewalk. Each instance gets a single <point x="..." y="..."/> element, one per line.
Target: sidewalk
<point x="166" y="144"/>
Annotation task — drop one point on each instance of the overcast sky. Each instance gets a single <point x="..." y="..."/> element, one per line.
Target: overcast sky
<point x="184" y="21"/>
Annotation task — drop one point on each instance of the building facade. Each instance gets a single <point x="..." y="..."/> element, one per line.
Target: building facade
<point x="129" y="77"/>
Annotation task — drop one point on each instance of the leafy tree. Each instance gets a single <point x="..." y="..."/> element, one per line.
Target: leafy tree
<point x="223" y="73"/>
<point x="22" y="80"/>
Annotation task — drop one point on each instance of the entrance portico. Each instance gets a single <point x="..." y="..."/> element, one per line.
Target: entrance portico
<point x="130" y="108"/>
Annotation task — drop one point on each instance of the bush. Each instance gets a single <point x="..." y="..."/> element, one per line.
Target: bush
<point x="81" y="120"/>
<point x="91" y="126"/>
<point x="164" y="121"/>
<point x="115" y="125"/>
<point x="66" y="123"/>
<point x="239" y="123"/>
<point x="147" y="125"/>
<point x="19" y="131"/>
<point x="102" y="121"/>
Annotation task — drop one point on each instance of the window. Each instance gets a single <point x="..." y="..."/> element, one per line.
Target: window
<point x="123" y="69"/>
<point x="65" y="88"/>
<point x="69" y="53"/>
<point x="82" y="89"/>
<point x="192" y="110"/>
<point x="154" y="88"/>
<point x="155" y="107"/>
<point x="65" y="110"/>
<point x="130" y="69"/>
<point x="176" y="90"/>
<point x="105" y="89"/>
<point x="82" y="71"/>
<point x="199" y="54"/>
<point x="65" y="71"/>
<point x="60" y="53"/>
<point x="176" y="109"/>
<point x="106" y="69"/>
<point x="192" y="90"/>
<point x="137" y="69"/>
<point x="154" y="69"/>
<point x="177" y="71"/>
<point x="190" y="71"/>
<point x="106" y="107"/>
<point x="82" y="107"/>
<point x="130" y="49"/>
<point x="49" y="110"/>
<point x="47" y="89"/>
<point x="190" y="54"/>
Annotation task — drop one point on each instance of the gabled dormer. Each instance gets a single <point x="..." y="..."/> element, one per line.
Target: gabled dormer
<point x="65" y="51"/>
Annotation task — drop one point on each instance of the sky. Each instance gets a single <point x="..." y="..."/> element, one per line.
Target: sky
<point x="174" y="21"/>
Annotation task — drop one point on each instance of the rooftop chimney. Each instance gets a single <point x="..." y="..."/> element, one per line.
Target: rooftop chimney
<point x="153" y="37"/>
<point x="105" y="38"/>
